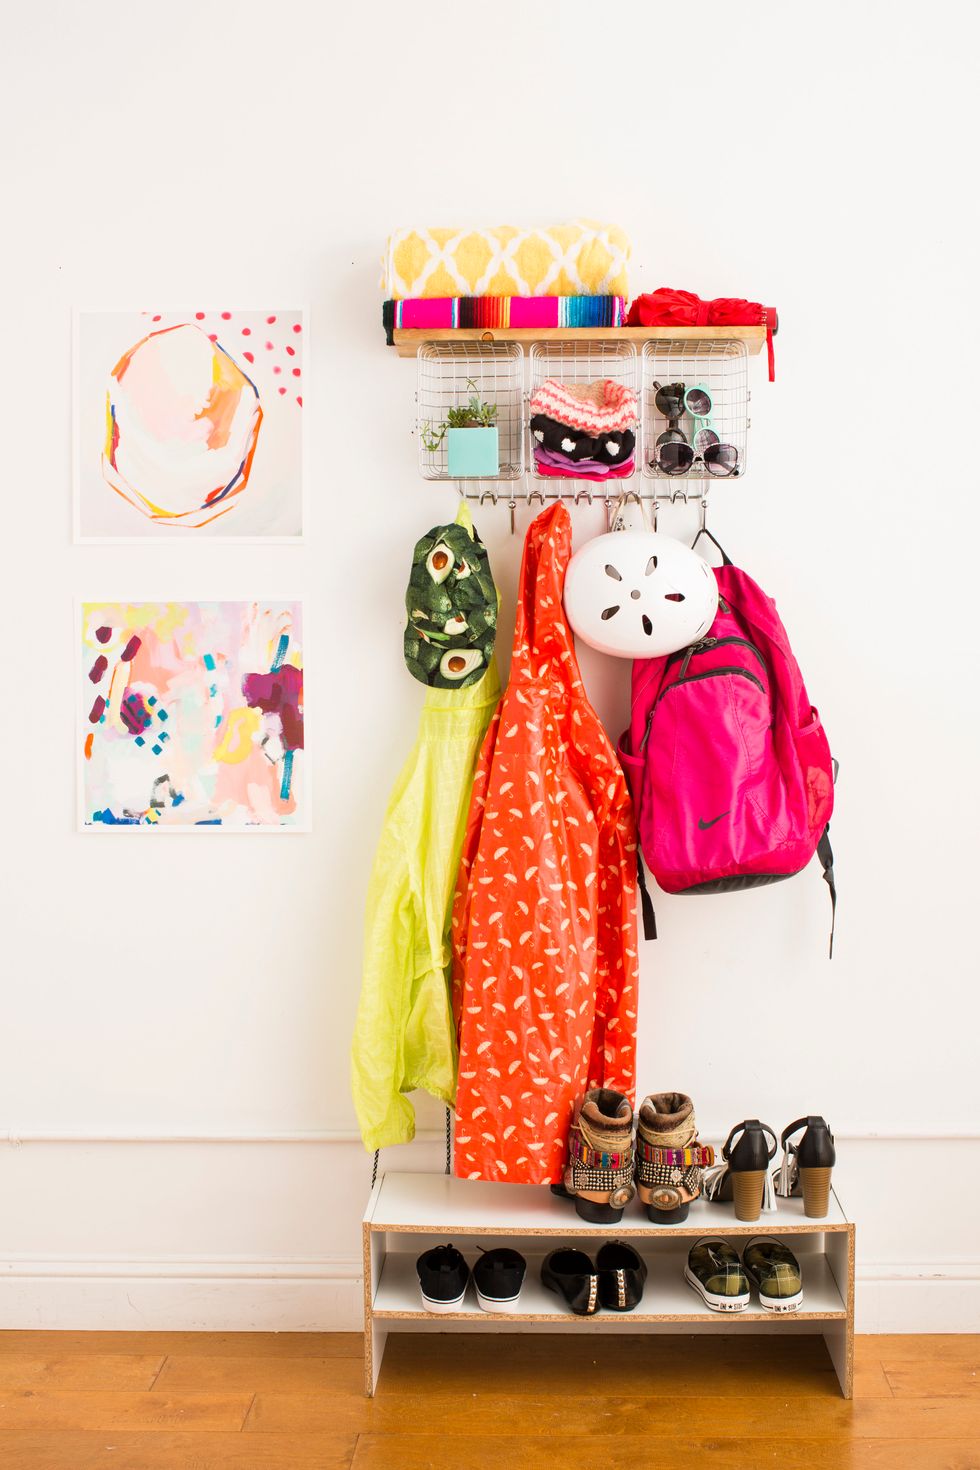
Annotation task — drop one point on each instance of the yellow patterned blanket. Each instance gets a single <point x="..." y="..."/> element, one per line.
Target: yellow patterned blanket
<point x="578" y="259"/>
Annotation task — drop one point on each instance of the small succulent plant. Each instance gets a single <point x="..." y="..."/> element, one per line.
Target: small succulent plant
<point x="473" y="414"/>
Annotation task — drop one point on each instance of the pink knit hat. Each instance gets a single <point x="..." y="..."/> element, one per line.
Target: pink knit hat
<point x="602" y="407"/>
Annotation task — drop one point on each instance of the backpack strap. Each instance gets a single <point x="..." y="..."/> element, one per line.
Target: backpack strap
<point x="826" y="855"/>
<point x="646" y="902"/>
<point x="726" y="560"/>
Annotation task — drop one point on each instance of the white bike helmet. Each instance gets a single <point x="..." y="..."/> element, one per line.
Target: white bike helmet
<point x="637" y="594"/>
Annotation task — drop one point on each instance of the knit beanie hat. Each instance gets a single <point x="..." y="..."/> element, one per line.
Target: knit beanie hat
<point x="451" y="603"/>
<point x="594" y="408"/>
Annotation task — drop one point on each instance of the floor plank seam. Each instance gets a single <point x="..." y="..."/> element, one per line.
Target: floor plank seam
<point x="248" y="1412"/>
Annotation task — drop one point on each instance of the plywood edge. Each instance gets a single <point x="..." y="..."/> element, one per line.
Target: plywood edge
<point x="633" y="1232"/>
<point x="613" y="1319"/>
<point x="407" y="340"/>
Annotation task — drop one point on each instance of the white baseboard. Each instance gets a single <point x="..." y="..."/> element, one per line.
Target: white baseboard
<point x="909" y="1297"/>
<point x="182" y="1296"/>
<point x="326" y="1296"/>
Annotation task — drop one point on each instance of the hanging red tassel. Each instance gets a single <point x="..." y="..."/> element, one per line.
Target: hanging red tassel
<point x="666" y="307"/>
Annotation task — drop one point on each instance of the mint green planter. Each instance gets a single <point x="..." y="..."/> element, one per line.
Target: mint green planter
<point x="472" y="453"/>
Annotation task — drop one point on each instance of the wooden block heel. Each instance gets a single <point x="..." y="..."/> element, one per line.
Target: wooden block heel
<point x="816" y="1191"/>
<point x="747" y="1190"/>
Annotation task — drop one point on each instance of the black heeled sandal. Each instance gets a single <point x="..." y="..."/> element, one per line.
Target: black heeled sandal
<point x="744" y="1176"/>
<point x="807" y="1166"/>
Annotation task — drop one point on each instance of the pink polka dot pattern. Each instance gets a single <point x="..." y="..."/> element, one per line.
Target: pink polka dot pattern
<point x="281" y="334"/>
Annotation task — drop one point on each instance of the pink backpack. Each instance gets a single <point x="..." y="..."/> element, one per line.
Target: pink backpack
<point x="730" y="770"/>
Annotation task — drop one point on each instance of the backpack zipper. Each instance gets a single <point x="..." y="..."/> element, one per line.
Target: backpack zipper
<point x="692" y="679"/>
<point x="705" y="643"/>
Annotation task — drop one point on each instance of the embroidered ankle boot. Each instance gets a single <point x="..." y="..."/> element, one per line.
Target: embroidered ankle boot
<point x="807" y="1165"/>
<point x="599" y="1172"/>
<point x="669" y="1158"/>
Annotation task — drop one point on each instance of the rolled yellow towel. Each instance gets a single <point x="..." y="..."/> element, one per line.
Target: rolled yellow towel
<point x="582" y="258"/>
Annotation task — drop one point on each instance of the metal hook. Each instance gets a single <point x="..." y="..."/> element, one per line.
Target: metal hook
<point x="536" y="495"/>
<point x="512" y="507"/>
<point x="703" y="519"/>
<point x="485" y="493"/>
<point x="654" y="508"/>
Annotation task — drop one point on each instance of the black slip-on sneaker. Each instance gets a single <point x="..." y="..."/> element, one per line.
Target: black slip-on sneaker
<point x="775" y="1273"/>
<point x="498" y="1276"/>
<point x="443" y="1275"/>
<point x="573" y="1276"/>
<point x="715" y="1272"/>
<point x="622" y="1273"/>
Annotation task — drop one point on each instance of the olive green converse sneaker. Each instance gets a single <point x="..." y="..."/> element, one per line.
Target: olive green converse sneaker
<point x="715" y="1272"/>
<point x="775" y="1273"/>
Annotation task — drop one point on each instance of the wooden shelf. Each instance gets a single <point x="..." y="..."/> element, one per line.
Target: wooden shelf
<point x="408" y="340"/>
<point x="409" y="1213"/>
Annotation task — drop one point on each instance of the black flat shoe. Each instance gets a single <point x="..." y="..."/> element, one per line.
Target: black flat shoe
<point x="573" y="1276"/>
<point x="621" y="1276"/>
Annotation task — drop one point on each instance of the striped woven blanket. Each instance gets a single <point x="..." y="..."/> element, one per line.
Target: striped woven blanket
<point x="501" y="312"/>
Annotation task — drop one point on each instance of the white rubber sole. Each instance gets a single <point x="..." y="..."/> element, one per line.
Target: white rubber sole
<point x="712" y="1299"/>
<point x="495" y="1303"/>
<point x="781" y="1304"/>
<point x="431" y="1305"/>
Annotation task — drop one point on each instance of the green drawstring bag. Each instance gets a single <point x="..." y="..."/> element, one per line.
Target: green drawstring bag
<point x="404" y="1036"/>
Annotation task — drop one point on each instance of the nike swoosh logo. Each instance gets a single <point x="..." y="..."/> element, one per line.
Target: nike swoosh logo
<point x="705" y="825"/>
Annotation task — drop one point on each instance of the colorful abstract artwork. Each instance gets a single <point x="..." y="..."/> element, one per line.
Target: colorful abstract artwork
<point x="191" y="716"/>
<point x="189" y="425"/>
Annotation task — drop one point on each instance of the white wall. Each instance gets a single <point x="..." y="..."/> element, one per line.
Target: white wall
<point x="205" y="990"/>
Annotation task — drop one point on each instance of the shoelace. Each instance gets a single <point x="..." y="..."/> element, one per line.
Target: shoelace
<point x="729" y="1270"/>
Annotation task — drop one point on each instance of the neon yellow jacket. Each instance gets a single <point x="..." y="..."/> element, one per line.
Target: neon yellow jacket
<point x="404" y="1037"/>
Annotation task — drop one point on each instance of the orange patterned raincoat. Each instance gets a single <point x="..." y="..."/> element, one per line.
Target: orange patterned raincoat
<point x="544" y="916"/>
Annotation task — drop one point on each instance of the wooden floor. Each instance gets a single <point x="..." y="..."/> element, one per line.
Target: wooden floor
<point x="244" y="1401"/>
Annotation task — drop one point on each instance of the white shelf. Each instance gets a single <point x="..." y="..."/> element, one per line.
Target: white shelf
<point x="666" y="1296"/>
<point x="408" y="1213"/>
<point x="425" y="1203"/>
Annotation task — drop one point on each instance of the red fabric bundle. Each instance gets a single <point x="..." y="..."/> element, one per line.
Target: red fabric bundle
<point x="666" y="307"/>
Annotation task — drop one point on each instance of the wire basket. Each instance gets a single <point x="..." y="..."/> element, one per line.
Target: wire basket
<point x="583" y="362"/>
<point x="719" y="366"/>
<point x="450" y="373"/>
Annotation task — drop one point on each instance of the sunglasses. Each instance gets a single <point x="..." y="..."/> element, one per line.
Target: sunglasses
<point x="675" y="454"/>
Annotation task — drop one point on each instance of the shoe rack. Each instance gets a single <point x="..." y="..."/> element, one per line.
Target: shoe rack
<point x="409" y="1213"/>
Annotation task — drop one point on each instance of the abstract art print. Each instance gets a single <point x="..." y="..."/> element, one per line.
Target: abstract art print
<point x="188" y="425"/>
<point x="191" y="716"/>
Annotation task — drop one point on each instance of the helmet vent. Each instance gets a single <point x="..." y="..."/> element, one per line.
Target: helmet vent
<point x="612" y="572"/>
<point x="674" y="597"/>
<point x="609" y="612"/>
<point x="651" y="566"/>
<point x="647" y="625"/>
